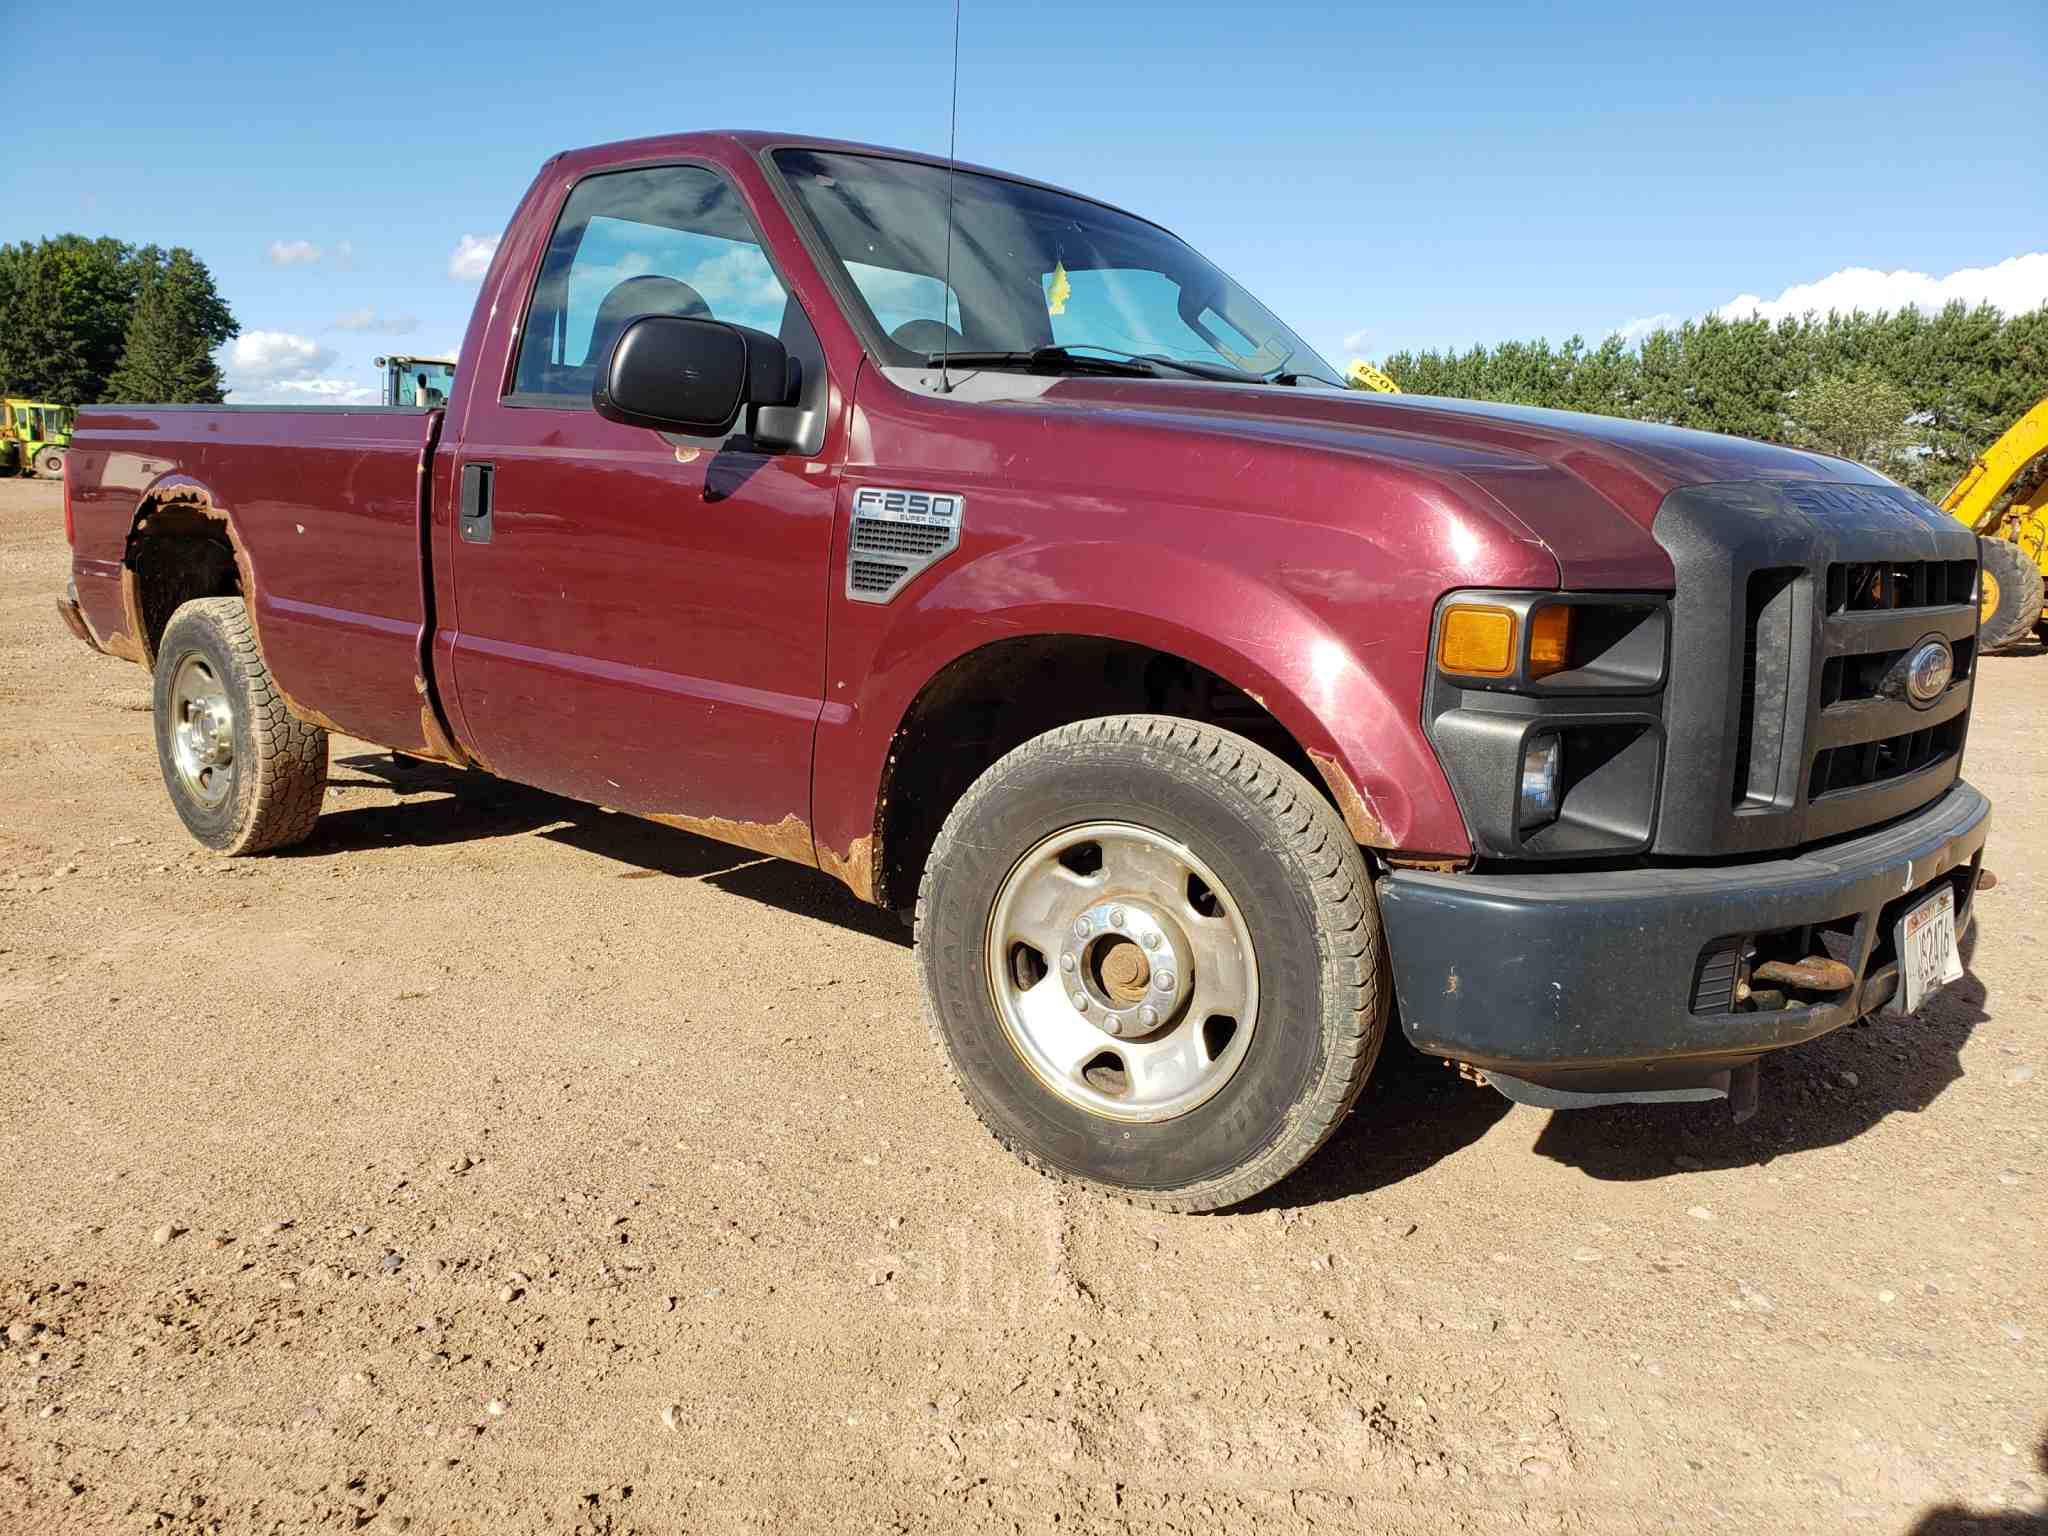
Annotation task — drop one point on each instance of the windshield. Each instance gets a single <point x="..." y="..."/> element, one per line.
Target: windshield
<point x="1031" y="269"/>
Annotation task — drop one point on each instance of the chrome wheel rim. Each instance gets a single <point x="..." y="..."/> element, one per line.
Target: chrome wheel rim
<point x="1122" y="972"/>
<point x="202" y="731"/>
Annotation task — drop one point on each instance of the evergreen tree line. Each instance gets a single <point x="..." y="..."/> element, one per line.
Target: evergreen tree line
<point x="84" y="321"/>
<point x="1915" y="396"/>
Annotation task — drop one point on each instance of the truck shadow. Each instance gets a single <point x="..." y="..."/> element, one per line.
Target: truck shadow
<point x="1416" y="1111"/>
<point x="1820" y="1094"/>
<point x="463" y="807"/>
<point x="1959" y="1519"/>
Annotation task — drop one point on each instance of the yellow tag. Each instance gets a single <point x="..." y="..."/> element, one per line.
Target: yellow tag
<point x="1056" y="296"/>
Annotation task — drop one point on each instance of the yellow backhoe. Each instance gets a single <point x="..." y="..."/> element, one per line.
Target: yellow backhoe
<point x="2003" y="495"/>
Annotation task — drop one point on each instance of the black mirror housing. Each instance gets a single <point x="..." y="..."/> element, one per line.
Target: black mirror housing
<point x="692" y="377"/>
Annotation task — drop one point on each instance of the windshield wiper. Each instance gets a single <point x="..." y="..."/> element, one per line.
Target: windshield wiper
<point x="1049" y="360"/>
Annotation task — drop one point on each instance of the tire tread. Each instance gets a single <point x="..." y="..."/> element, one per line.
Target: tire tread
<point x="1356" y="989"/>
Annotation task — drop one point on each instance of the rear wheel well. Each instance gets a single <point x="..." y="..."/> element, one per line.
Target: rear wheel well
<point x="177" y="553"/>
<point x="993" y="700"/>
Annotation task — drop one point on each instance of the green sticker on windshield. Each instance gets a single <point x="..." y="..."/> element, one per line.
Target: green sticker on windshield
<point x="1057" y="295"/>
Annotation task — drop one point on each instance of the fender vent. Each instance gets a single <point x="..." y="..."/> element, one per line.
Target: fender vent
<point x="895" y="536"/>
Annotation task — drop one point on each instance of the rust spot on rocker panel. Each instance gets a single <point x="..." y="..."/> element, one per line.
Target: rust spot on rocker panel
<point x="1365" y="827"/>
<point x="855" y="868"/>
<point x="789" y="838"/>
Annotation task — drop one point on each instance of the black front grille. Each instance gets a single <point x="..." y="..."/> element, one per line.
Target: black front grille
<point x="1837" y="769"/>
<point x="1796" y="606"/>
<point x="1866" y="586"/>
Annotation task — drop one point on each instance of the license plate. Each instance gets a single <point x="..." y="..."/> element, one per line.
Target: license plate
<point x="1927" y="947"/>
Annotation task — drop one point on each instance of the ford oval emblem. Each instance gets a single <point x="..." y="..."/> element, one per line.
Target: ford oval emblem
<point x="1928" y="671"/>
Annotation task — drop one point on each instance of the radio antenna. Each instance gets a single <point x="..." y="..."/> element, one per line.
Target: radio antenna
<point x="952" y="145"/>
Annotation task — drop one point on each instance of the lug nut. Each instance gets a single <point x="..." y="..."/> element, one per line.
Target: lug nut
<point x="1113" y="1024"/>
<point x="1163" y="980"/>
<point x="1148" y="1016"/>
<point x="1067" y="963"/>
<point x="1081" y="1001"/>
<point x="1152" y="940"/>
<point x="1080" y="927"/>
<point x="1116" y="917"/>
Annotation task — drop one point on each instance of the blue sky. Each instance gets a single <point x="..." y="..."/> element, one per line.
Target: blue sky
<point x="1383" y="178"/>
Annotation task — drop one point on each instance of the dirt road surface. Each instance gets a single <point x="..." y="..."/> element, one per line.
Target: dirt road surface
<point x="495" y="1164"/>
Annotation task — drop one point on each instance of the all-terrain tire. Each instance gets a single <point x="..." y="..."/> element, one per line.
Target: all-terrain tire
<point x="1296" y="878"/>
<point x="2016" y="608"/>
<point x="278" y="770"/>
<point x="50" y="463"/>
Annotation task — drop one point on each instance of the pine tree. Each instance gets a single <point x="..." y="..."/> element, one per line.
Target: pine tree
<point x="64" y="303"/>
<point x="179" y="320"/>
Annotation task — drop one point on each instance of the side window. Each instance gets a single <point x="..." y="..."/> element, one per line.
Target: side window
<point x="667" y="240"/>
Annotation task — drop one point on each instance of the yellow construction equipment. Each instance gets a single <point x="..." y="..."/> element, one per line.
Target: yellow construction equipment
<point x="1362" y="375"/>
<point x="2003" y="495"/>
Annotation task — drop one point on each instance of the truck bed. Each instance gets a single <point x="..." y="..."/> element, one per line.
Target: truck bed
<point x="322" y="510"/>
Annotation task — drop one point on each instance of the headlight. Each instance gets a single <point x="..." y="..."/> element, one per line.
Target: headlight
<point x="1541" y="763"/>
<point x="1546" y="711"/>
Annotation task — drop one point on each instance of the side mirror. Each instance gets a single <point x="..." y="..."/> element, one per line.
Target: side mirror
<point x="690" y="376"/>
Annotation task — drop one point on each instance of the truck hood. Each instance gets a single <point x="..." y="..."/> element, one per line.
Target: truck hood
<point x="1587" y="487"/>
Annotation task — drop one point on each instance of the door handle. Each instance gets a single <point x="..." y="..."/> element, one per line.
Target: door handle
<point x="476" y="503"/>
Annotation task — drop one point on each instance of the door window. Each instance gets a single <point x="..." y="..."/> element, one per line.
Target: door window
<point x="666" y="240"/>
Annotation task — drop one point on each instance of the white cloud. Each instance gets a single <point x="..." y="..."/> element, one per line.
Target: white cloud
<point x="1357" y="340"/>
<point x="282" y="368"/>
<point x="2015" y="285"/>
<point x="293" y="253"/>
<point x="471" y="258"/>
<point x="276" y="354"/>
<point x="345" y="255"/>
<point x="1636" y="330"/>
<point x="368" y="318"/>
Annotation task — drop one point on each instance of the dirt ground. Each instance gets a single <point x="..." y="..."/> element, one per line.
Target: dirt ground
<point x="493" y="1164"/>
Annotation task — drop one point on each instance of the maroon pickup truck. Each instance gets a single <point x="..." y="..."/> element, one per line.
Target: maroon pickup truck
<point x="989" y="549"/>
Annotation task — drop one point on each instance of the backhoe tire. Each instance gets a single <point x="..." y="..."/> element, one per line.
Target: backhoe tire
<point x="2010" y="585"/>
<point x="50" y="463"/>
<point x="245" y="774"/>
<point x="1151" y="955"/>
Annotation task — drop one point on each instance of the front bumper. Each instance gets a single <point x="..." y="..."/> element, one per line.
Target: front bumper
<point x="1583" y="988"/>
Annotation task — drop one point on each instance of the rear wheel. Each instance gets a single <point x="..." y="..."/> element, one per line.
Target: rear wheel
<point x="244" y="773"/>
<point x="50" y="462"/>
<point x="1151" y="954"/>
<point x="2008" y="594"/>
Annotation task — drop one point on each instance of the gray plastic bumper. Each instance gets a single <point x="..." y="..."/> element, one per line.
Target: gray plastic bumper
<point x="1578" y="987"/>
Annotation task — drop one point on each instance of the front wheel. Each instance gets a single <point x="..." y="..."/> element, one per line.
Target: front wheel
<point x="244" y="773"/>
<point x="50" y="462"/>
<point x="1151" y="954"/>
<point x="2008" y="594"/>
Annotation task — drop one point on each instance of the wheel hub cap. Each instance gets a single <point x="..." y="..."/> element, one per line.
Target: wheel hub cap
<point x="1122" y="971"/>
<point x="202" y="731"/>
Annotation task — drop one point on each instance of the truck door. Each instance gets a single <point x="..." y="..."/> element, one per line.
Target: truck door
<point x="639" y="617"/>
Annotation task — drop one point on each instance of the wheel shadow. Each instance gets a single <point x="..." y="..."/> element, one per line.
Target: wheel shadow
<point x="439" y="805"/>
<point x="1415" y="1112"/>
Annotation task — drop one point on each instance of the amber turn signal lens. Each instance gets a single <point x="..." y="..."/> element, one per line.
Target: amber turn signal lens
<point x="1550" y="640"/>
<point x="1476" y="641"/>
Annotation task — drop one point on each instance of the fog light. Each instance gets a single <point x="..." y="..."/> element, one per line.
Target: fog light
<point x="1541" y="762"/>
